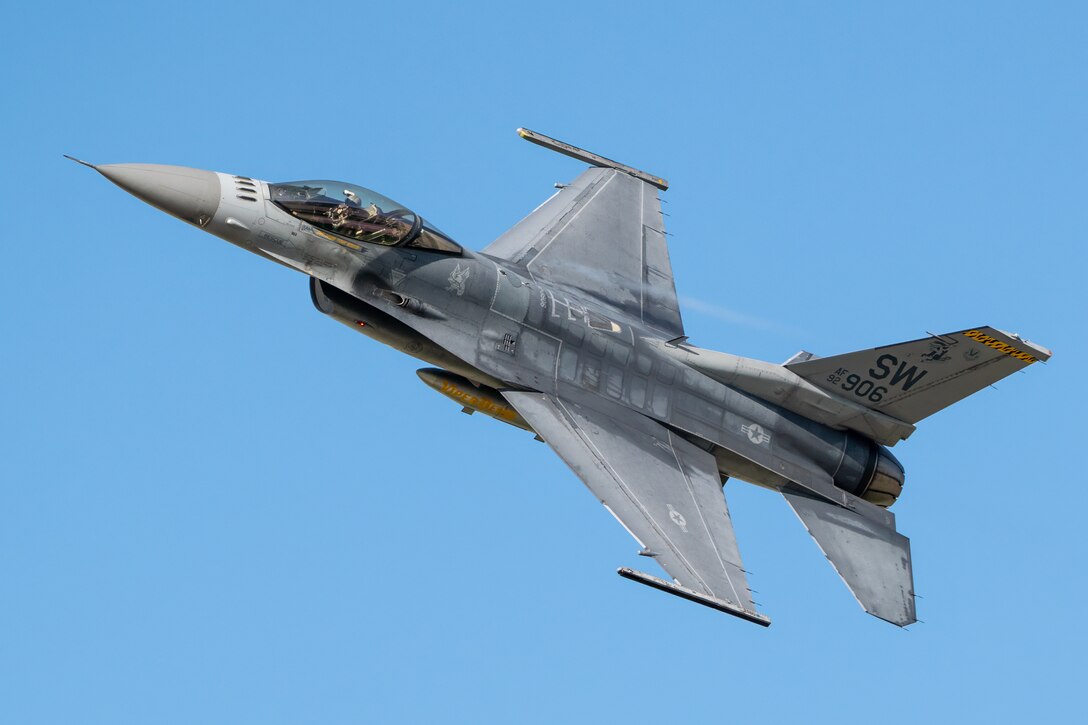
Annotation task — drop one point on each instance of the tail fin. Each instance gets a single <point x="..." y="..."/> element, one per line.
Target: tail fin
<point x="910" y="381"/>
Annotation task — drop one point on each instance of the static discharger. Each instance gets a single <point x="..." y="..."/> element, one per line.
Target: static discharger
<point x="589" y="157"/>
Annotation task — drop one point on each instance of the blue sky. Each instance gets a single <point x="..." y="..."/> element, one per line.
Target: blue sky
<point x="217" y="505"/>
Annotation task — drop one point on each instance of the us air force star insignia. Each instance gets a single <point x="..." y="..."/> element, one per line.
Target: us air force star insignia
<point x="457" y="279"/>
<point x="678" y="518"/>
<point x="755" y="433"/>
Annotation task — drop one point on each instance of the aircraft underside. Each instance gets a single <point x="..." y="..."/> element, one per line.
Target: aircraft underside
<point x="568" y="325"/>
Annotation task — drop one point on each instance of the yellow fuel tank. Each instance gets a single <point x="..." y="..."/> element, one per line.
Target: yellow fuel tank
<point x="472" y="397"/>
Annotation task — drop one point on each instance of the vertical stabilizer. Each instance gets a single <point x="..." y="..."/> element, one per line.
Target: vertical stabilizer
<point x="909" y="381"/>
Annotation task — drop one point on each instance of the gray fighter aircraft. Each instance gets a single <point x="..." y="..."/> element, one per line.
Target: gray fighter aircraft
<point x="568" y="326"/>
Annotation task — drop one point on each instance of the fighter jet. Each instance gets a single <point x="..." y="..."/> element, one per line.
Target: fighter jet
<point x="568" y="327"/>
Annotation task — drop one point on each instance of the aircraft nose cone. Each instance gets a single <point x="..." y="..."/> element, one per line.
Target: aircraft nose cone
<point x="191" y="195"/>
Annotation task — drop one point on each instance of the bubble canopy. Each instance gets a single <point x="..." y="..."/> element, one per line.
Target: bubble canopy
<point x="358" y="214"/>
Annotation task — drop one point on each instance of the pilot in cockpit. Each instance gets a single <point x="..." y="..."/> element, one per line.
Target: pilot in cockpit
<point x="353" y="200"/>
<point x="358" y="214"/>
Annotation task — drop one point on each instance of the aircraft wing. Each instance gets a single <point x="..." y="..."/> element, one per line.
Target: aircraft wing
<point x="665" y="491"/>
<point x="601" y="236"/>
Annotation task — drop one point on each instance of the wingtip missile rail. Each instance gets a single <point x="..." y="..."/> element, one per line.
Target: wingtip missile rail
<point x="589" y="157"/>
<point x="694" y="596"/>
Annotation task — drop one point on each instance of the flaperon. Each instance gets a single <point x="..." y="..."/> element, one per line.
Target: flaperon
<point x="568" y="325"/>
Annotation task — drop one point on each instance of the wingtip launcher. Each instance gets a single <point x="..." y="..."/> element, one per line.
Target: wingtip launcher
<point x="589" y="157"/>
<point x="693" y="596"/>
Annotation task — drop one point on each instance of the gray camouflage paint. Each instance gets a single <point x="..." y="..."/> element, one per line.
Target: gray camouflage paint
<point x="582" y="334"/>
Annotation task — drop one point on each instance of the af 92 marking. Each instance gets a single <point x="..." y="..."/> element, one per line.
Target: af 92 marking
<point x="854" y="383"/>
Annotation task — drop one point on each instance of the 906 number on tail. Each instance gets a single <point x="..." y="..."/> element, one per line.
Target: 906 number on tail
<point x="854" y="383"/>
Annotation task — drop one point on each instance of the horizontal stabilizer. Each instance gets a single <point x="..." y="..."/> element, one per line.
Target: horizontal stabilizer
<point x="909" y="381"/>
<point x="873" y="560"/>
